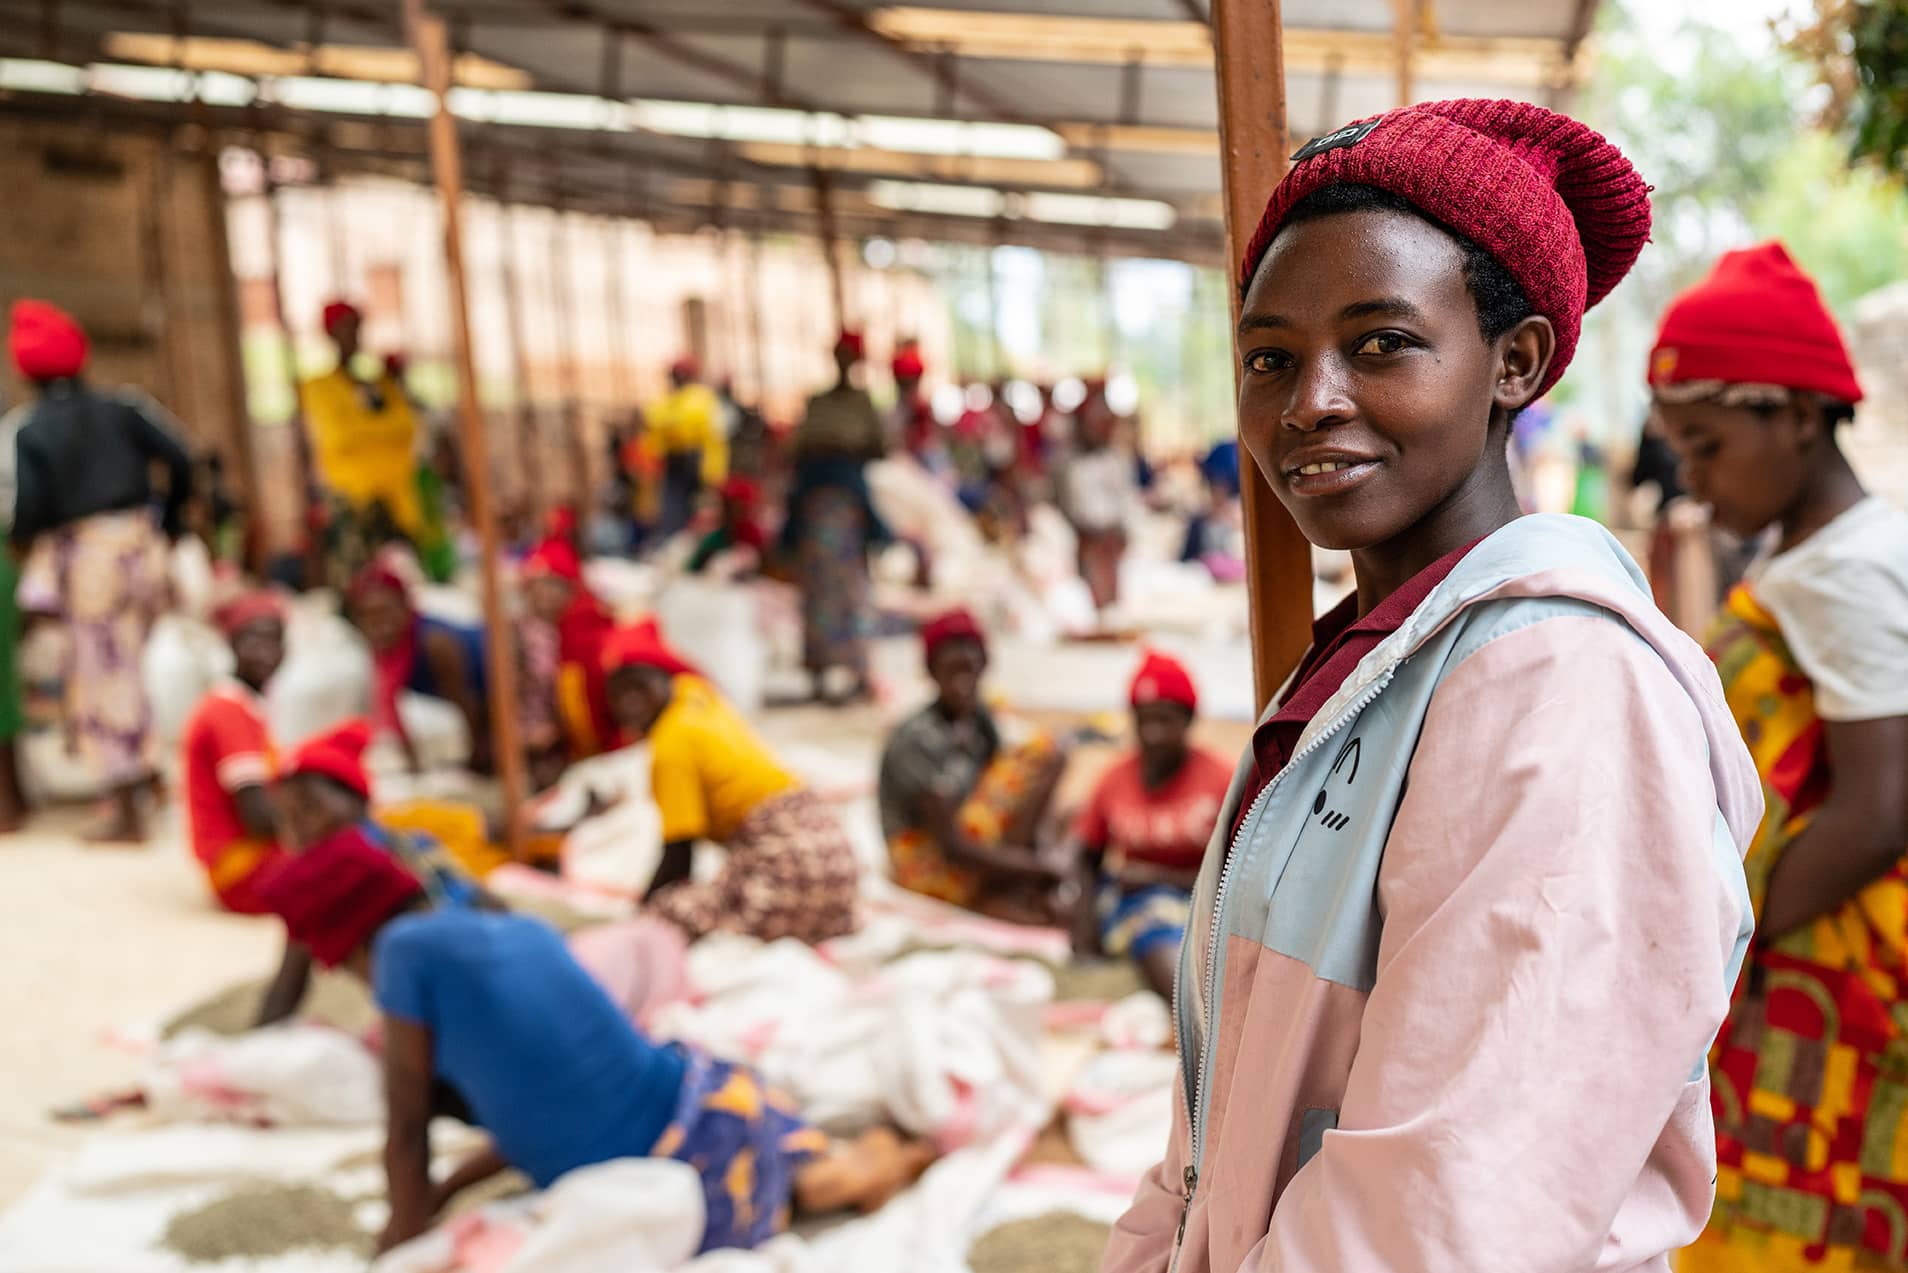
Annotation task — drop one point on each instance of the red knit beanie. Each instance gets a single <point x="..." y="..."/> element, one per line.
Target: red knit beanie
<point x="46" y="343"/>
<point x="1547" y="197"/>
<point x="1757" y="319"/>
<point x="334" y="895"/>
<point x="337" y="311"/>
<point x="954" y="625"/>
<point x="1163" y="679"/>
<point x="641" y="644"/>
<point x="337" y="754"/>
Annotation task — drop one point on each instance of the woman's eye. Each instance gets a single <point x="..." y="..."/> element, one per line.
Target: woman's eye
<point x="1381" y="343"/>
<point x="1264" y="362"/>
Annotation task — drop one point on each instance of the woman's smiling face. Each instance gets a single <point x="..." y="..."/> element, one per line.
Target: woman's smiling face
<point x="1367" y="389"/>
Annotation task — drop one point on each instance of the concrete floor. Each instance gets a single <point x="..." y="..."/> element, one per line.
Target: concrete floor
<point x="93" y="940"/>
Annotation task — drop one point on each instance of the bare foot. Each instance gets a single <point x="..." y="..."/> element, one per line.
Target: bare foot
<point x="889" y="1164"/>
<point x="123" y="824"/>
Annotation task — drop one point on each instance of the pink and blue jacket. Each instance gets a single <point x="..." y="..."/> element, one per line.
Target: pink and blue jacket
<point x="1446" y="998"/>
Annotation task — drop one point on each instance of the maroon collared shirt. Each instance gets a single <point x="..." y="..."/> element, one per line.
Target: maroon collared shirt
<point x="1339" y="640"/>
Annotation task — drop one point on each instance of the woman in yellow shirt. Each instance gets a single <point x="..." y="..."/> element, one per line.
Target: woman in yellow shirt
<point x="364" y="455"/>
<point x="790" y="870"/>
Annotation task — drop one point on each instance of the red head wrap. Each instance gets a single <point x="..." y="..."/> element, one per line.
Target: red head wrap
<point x="334" y="895"/>
<point x="1547" y="197"/>
<point x="554" y="557"/>
<point x="955" y="625"/>
<point x="373" y="577"/>
<point x="1163" y="679"/>
<point x="1757" y="319"/>
<point x="47" y="344"/>
<point x="335" y="312"/>
<point x="641" y="645"/>
<point x="337" y="754"/>
<point x="254" y="606"/>
<point x="852" y="341"/>
<point x="908" y="364"/>
<point x="685" y="368"/>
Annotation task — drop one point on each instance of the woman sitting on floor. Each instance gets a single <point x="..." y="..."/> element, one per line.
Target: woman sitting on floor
<point x="739" y="536"/>
<point x="561" y="600"/>
<point x="425" y="655"/>
<point x="959" y="811"/>
<point x="1143" y="834"/>
<point x="790" y="870"/>
<point x="495" y="1007"/>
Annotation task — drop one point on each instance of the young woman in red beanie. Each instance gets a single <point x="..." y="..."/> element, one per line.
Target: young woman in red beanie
<point x="1143" y="832"/>
<point x="1753" y="385"/>
<point x="1475" y="903"/>
<point x="96" y="557"/>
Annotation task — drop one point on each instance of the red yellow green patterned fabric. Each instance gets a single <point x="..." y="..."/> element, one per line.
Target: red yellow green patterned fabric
<point x="1810" y="1075"/>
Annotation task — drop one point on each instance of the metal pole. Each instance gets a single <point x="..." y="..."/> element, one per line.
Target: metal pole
<point x="433" y="53"/>
<point x="1252" y="150"/>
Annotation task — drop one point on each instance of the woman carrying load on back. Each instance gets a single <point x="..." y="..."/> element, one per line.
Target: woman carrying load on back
<point x="1475" y="902"/>
<point x="1752" y="383"/>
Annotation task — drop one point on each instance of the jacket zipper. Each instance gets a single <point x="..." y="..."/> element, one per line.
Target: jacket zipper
<point x="1195" y="1097"/>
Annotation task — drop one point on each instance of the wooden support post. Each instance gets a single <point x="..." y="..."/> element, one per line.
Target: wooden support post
<point x="529" y="438"/>
<point x="758" y="301"/>
<point x="243" y="456"/>
<point x="825" y="207"/>
<point x="563" y="296"/>
<point x="428" y="36"/>
<point x="1252" y="151"/>
<point x="307" y="487"/>
<point x="1405" y="33"/>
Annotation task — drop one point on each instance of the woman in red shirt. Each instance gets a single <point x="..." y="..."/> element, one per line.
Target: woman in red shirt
<point x="1143" y="834"/>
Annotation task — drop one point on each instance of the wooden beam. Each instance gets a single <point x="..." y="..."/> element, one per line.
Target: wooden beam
<point x="1253" y="151"/>
<point x="428" y="35"/>
<point x="1510" y="61"/>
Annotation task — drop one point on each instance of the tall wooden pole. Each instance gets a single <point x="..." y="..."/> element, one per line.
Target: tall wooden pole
<point x="1252" y="151"/>
<point x="563" y="293"/>
<point x="303" y="526"/>
<point x="825" y="207"/>
<point x="529" y="443"/>
<point x="1405" y="35"/>
<point x="433" y="54"/>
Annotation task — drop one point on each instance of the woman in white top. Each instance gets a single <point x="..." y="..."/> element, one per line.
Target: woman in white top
<point x="1752" y="384"/>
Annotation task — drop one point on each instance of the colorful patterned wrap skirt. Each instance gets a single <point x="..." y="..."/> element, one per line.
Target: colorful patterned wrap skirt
<point x="1810" y="1075"/>
<point x="106" y="577"/>
<point x="917" y="862"/>
<point x="746" y="1142"/>
<point x="791" y="873"/>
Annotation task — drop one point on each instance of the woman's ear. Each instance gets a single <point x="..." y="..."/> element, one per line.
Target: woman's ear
<point x="1524" y="354"/>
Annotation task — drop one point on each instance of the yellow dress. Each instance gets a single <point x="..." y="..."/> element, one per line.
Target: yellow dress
<point x="362" y="455"/>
